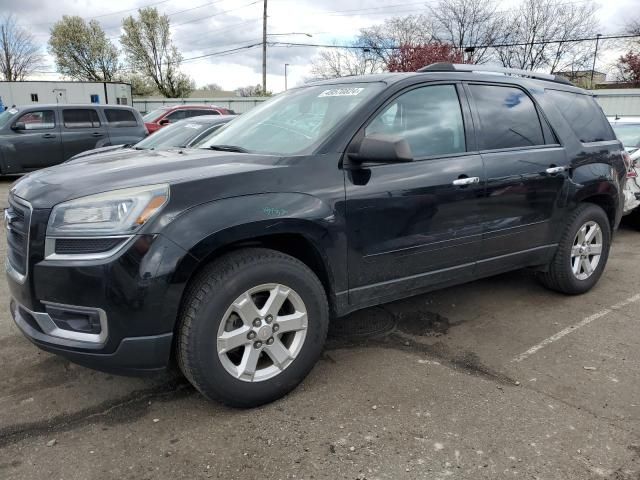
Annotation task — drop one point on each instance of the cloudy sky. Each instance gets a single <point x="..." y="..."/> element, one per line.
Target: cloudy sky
<point x="203" y="27"/>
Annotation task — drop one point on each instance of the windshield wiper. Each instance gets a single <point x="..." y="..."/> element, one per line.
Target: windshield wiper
<point x="228" y="148"/>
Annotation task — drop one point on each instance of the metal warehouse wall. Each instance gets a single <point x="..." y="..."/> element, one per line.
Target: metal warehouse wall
<point x="20" y="93"/>
<point x="623" y="102"/>
<point x="237" y="104"/>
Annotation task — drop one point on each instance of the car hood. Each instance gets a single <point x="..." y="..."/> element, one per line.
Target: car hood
<point x="95" y="174"/>
<point x="99" y="151"/>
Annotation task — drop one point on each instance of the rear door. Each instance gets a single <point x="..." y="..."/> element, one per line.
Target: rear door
<point x="37" y="146"/>
<point x="412" y="225"/>
<point x="82" y="130"/>
<point x="122" y="126"/>
<point x="526" y="171"/>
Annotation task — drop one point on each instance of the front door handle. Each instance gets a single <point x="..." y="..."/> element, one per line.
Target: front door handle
<point x="555" y="170"/>
<point x="97" y="134"/>
<point x="48" y="135"/>
<point x="461" y="182"/>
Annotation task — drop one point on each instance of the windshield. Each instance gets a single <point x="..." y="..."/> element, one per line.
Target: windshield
<point x="178" y="134"/>
<point x="628" y="134"/>
<point x="7" y="115"/>
<point x="153" y="115"/>
<point x="296" y="121"/>
<point x="209" y="135"/>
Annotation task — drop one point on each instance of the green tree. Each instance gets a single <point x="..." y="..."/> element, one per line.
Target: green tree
<point x="82" y="50"/>
<point x="253" y="91"/>
<point x="147" y="44"/>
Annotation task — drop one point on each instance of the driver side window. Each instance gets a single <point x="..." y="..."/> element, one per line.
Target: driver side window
<point x="429" y="118"/>
<point x="39" y="120"/>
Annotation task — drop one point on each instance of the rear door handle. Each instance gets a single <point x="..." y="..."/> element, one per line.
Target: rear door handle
<point x="555" y="170"/>
<point x="97" y="134"/>
<point x="48" y="135"/>
<point x="461" y="182"/>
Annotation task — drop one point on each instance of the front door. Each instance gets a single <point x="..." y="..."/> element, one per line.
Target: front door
<point x="525" y="167"/>
<point x="82" y="130"/>
<point x="413" y="225"/>
<point x="37" y="145"/>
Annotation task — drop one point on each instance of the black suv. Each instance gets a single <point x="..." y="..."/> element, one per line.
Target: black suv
<point x="38" y="136"/>
<point x="328" y="198"/>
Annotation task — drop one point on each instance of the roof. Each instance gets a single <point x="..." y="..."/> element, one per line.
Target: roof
<point x="73" y="105"/>
<point x="391" y="78"/>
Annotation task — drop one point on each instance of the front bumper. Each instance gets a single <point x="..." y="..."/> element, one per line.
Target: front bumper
<point x="136" y="292"/>
<point x="135" y="355"/>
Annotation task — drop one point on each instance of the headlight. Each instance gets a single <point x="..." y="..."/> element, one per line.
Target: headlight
<point x="119" y="212"/>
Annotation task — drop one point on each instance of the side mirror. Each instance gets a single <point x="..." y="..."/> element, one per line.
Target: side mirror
<point x="164" y="121"/>
<point x="18" y="126"/>
<point x="383" y="148"/>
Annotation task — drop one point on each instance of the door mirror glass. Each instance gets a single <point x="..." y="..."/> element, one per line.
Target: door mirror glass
<point x="164" y="121"/>
<point x="384" y="148"/>
<point x="18" y="126"/>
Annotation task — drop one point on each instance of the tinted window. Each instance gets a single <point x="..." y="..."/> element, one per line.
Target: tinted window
<point x="40" y="120"/>
<point x="80" y="118"/>
<point x="508" y="118"/>
<point x="154" y="115"/>
<point x="198" y="113"/>
<point x="177" y="115"/>
<point x="429" y="118"/>
<point x="178" y="134"/>
<point x="583" y="115"/>
<point x="120" y="117"/>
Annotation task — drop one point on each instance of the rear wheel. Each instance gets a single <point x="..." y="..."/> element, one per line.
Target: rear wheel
<point x="253" y="325"/>
<point x="582" y="252"/>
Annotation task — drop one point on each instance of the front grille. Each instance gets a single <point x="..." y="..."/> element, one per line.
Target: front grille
<point x="17" y="223"/>
<point x="66" y="246"/>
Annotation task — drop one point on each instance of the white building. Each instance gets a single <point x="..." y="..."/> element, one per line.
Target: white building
<point x="34" y="92"/>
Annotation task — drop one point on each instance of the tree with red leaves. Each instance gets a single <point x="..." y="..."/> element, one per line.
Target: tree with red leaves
<point x="629" y="68"/>
<point x="410" y="58"/>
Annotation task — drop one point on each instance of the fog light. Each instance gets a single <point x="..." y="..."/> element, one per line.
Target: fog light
<point x="83" y="320"/>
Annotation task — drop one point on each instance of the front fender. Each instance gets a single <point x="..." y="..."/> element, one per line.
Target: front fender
<point x="204" y="229"/>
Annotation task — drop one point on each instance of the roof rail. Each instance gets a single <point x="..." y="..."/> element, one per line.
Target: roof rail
<point x="457" y="67"/>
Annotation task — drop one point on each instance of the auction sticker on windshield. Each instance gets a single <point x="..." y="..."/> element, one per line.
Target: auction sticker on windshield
<point x="341" y="92"/>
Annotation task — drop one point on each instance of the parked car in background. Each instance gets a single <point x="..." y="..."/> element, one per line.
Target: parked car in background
<point x="628" y="132"/>
<point x="183" y="134"/>
<point x="38" y="136"/>
<point x="156" y="119"/>
<point x="328" y="198"/>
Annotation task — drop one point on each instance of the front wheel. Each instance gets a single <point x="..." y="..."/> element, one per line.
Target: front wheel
<point x="582" y="253"/>
<point x="253" y="325"/>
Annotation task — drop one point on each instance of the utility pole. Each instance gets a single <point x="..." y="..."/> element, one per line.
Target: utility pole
<point x="285" y="75"/>
<point x="264" y="49"/>
<point x="595" y="57"/>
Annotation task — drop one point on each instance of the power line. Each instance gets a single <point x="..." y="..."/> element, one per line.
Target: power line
<point x="216" y="14"/>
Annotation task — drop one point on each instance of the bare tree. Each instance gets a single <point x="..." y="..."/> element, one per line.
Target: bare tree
<point x="535" y="23"/>
<point x="19" y="54"/>
<point x="381" y="40"/>
<point x="344" y="62"/>
<point x="468" y="23"/>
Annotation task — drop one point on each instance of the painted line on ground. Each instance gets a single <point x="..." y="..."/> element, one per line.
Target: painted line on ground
<point x="573" y="328"/>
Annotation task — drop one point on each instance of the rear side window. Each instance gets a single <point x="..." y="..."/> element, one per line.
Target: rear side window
<point x="508" y="118"/>
<point x="198" y="113"/>
<point x="80" y="118"/>
<point x="584" y="116"/>
<point x="120" y="117"/>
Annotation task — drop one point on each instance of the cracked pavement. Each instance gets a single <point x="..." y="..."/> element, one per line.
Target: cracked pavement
<point x="424" y="388"/>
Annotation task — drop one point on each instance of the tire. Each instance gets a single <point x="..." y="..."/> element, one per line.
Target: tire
<point x="214" y="307"/>
<point x="560" y="275"/>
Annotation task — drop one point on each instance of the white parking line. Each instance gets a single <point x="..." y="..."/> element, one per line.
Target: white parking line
<point x="573" y="328"/>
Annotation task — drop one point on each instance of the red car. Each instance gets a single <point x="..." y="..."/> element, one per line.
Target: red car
<point x="156" y="119"/>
